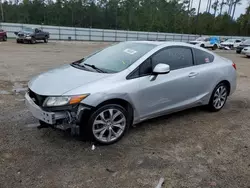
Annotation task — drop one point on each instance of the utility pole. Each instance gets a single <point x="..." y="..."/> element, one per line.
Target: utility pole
<point x="1" y="7"/>
<point x="209" y="6"/>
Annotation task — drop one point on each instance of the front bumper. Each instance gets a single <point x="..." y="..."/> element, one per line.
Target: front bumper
<point x="64" y="119"/>
<point x="23" y="38"/>
<point x="47" y="117"/>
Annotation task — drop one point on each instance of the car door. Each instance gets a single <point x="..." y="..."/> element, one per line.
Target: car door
<point x="38" y="34"/>
<point x="204" y="65"/>
<point x="167" y="92"/>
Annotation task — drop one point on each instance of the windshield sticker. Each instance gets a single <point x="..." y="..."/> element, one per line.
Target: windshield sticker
<point x="130" y="51"/>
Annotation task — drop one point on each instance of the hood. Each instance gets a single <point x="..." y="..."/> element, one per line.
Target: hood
<point x="226" y="43"/>
<point x="61" y="80"/>
<point x="196" y="41"/>
<point x="23" y="32"/>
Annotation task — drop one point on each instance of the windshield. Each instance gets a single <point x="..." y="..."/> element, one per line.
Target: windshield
<point x="230" y="40"/>
<point x="246" y="42"/>
<point x="200" y="39"/>
<point x="27" y="29"/>
<point x="117" y="57"/>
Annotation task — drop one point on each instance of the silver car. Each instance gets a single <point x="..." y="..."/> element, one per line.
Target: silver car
<point x="101" y="95"/>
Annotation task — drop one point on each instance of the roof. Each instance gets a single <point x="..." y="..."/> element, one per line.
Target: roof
<point x="158" y="43"/>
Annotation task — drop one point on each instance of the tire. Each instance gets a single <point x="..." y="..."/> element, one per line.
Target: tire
<point x="101" y="127"/>
<point x="214" y="47"/>
<point x="238" y="52"/>
<point x="202" y="45"/>
<point x="17" y="41"/>
<point x="220" y="94"/>
<point x="45" y="39"/>
<point x="5" y="38"/>
<point x="33" y="40"/>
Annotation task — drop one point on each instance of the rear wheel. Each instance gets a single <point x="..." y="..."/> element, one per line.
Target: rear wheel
<point x="107" y="124"/>
<point x="219" y="97"/>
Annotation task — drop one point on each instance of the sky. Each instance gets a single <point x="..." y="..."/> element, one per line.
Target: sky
<point x="240" y="9"/>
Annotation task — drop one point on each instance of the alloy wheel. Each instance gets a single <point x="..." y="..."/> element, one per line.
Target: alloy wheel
<point x="109" y="125"/>
<point x="220" y="97"/>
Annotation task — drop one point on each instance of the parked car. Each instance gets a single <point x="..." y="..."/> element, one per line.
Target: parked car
<point x="246" y="51"/>
<point x="231" y="43"/>
<point x="127" y="83"/>
<point x="244" y="44"/>
<point x="207" y="42"/>
<point x="31" y="35"/>
<point x="3" y="35"/>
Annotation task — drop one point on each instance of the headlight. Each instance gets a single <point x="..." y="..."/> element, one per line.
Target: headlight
<point x="61" y="101"/>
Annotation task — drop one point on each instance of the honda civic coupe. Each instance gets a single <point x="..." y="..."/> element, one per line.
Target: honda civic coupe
<point x="100" y="96"/>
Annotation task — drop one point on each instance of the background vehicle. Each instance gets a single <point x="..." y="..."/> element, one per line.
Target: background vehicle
<point x="127" y="83"/>
<point x="246" y="51"/>
<point x="231" y="43"/>
<point x="3" y="35"/>
<point x="244" y="44"/>
<point x="207" y="42"/>
<point x="31" y="35"/>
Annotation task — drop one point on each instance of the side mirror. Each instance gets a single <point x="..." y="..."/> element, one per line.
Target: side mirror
<point x="161" y="69"/>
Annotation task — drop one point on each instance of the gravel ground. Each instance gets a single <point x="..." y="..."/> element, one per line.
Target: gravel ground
<point x="193" y="148"/>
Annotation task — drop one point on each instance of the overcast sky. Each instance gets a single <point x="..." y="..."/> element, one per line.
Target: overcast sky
<point x="239" y="10"/>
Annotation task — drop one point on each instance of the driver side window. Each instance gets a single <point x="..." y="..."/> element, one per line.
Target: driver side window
<point x="176" y="57"/>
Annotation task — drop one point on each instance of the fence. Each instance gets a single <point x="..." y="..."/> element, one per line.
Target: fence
<point x="90" y="34"/>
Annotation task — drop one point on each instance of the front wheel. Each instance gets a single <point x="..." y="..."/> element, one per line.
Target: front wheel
<point x="219" y="97"/>
<point x="108" y="124"/>
<point x="214" y="47"/>
<point x="33" y="40"/>
<point x="5" y="38"/>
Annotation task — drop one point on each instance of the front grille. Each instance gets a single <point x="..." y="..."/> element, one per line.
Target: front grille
<point x="20" y="35"/>
<point x="38" y="99"/>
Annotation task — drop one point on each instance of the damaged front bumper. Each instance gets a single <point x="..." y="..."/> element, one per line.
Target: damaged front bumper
<point x="59" y="119"/>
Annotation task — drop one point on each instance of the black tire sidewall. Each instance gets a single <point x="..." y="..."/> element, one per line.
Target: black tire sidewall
<point x="33" y="41"/>
<point x="210" y="105"/>
<point x="5" y="38"/>
<point x="45" y="40"/>
<point x="215" y="47"/>
<point x="88" y="128"/>
<point x="202" y="45"/>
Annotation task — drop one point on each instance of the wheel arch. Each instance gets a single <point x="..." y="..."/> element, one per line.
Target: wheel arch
<point x="227" y="83"/>
<point x="122" y="102"/>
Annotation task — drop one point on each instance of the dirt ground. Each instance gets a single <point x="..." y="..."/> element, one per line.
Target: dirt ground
<point x="193" y="148"/>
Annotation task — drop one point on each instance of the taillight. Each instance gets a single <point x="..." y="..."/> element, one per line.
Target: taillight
<point x="234" y="66"/>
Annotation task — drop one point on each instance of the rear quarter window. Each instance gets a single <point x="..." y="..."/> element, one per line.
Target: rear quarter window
<point x="202" y="57"/>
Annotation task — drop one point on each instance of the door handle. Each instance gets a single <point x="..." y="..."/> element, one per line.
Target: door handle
<point x="193" y="74"/>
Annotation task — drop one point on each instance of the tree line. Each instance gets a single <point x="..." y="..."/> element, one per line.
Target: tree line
<point x="174" y="16"/>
